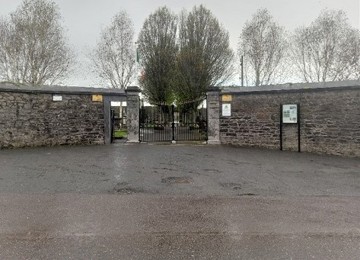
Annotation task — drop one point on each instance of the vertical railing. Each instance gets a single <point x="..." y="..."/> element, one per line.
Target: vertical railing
<point x="162" y="124"/>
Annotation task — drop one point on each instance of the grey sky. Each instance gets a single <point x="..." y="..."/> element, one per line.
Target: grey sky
<point x="85" y="19"/>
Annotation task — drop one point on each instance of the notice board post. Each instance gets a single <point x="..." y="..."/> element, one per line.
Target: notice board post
<point x="290" y="114"/>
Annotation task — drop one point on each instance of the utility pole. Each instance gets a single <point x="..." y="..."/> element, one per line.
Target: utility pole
<point x="242" y="70"/>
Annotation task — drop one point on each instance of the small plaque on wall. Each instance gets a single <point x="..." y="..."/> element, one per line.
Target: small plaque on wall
<point x="57" y="98"/>
<point x="226" y="109"/>
<point x="97" y="98"/>
<point x="226" y="98"/>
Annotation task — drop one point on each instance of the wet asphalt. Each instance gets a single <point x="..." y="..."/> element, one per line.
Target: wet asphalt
<point x="143" y="201"/>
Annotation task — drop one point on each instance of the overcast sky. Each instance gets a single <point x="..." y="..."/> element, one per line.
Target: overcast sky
<point x="84" y="19"/>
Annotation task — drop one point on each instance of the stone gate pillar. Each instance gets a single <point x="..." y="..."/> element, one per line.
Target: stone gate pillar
<point x="213" y="115"/>
<point x="133" y="113"/>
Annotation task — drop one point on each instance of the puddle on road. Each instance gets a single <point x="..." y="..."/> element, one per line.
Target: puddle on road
<point x="237" y="187"/>
<point x="177" y="180"/>
<point x="247" y="194"/>
<point x="231" y="185"/>
<point x="124" y="188"/>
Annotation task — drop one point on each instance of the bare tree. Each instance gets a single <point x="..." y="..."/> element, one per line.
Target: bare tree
<point x="263" y="45"/>
<point x="205" y="58"/>
<point x="114" y="57"/>
<point x="328" y="49"/>
<point x="158" y="50"/>
<point x="33" y="48"/>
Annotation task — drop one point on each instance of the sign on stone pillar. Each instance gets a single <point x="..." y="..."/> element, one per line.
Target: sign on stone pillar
<point x="133" y="113"/>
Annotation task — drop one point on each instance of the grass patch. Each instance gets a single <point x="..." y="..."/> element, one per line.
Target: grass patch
<point x="120" y="133"/>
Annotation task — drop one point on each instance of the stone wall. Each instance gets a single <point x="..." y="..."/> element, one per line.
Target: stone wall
<point x="29" y="116"/>
<point x="330" y="118"/>
<point x="34" y="119"/>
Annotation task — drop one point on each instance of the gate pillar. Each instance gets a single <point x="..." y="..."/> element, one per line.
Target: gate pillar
<point x="213" y="115"/>
<point x="133" y="114"/>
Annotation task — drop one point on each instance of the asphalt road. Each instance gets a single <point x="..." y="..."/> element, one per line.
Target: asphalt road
<point x="177" y="202"/>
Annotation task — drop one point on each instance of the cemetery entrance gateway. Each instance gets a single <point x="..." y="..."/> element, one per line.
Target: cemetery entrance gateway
<point x="163" y="123"/>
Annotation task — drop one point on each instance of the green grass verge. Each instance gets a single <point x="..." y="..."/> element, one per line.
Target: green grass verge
<point x="120" y="134"/>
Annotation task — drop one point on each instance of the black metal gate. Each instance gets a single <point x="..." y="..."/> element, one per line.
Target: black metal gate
<point x="173" y="123"/>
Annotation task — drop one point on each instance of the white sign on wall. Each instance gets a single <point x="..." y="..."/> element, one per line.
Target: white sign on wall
<point x="290" y="114"/>
<point x="57" y="98"/>
<point x="226" y="109"/>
